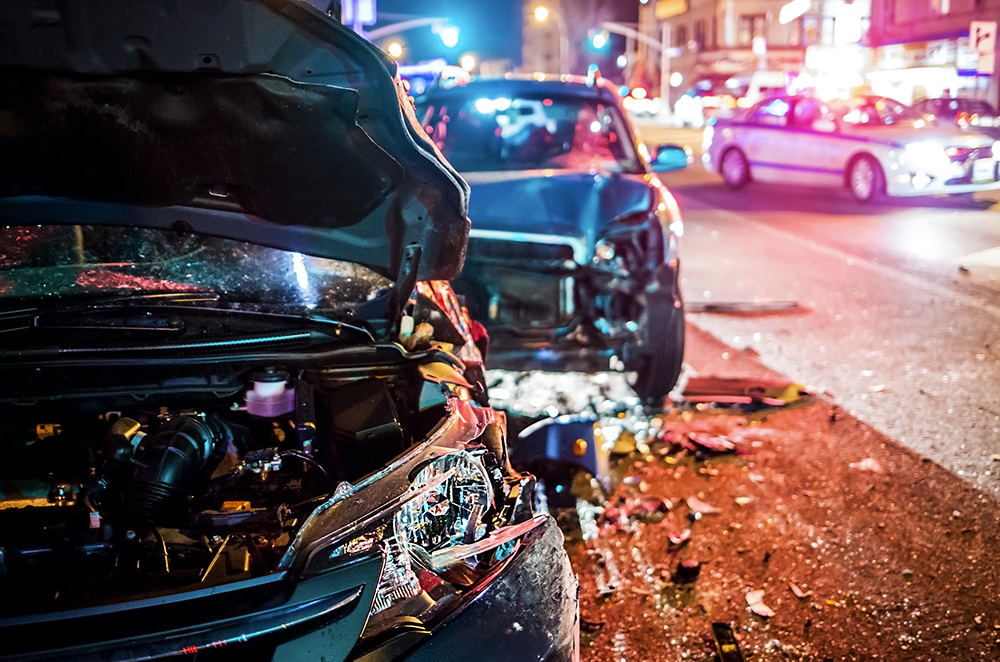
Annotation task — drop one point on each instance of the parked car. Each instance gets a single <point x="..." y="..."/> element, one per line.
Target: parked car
<point x="244" y="416"/>
<point x="871" y="145"/>
<point x="967" y="113"/>
<point x="572" y="256"/>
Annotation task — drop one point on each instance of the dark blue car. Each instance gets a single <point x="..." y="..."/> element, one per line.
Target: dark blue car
<point x="572" y="257"/>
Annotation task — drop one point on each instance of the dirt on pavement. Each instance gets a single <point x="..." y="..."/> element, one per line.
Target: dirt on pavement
<point x="894" y="557"/>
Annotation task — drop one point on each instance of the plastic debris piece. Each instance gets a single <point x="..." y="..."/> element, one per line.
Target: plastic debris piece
<point x="799" y="593"/>
<point x="726" y="644"/>
<point x="680" y="538"/>
<point x="996" y="457"/>
<point x="756" y="604"/>
<point x="757" y="478"/>
<point x="724" y="390"/>
<point x="742" y="307"/>
<point x="742" y="501"/>
<point x="877" y="388"/>
<point x="867" y="464"/>
<point x="715" y="444"/>
<point x="687" y="572"/>
<point x="699" y="506"/>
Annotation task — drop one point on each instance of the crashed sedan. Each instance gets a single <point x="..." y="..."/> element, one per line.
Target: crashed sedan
<point x="573" y="255"/>
<point x="244" y="415"/>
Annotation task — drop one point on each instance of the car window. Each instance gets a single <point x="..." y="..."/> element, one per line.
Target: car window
<point x="774" y="112"/>
<point x="869" y="112"/>
<point x="484" y="133"/>
<point x="808" y="111"/>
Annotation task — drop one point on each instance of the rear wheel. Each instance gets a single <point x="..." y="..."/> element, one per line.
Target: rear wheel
<point x="735" y="169"/>
<point x="657" y="359"/>
<point x="865" y="178"/>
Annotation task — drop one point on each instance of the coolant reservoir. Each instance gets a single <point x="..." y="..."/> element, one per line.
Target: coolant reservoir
<point x="270" y="395"/>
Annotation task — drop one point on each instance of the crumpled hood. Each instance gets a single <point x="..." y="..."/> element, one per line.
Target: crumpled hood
<point x="257" y="120"/>
<point x="555" y="202"/>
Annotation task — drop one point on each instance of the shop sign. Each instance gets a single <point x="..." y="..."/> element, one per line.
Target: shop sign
<point x="738" y="61"/>
<point x="669" y="8"/>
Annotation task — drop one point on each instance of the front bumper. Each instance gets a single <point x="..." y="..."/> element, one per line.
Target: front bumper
<point x="530" y="611"/>
<point x="898" y="189"/>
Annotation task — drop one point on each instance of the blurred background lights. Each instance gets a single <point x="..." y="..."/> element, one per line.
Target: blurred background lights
<point x="449" y="36"/>
<point x="468" y="62"/>
<point x="676" y="79"/>
<point x="541" y="14"/>
<point x="622" y="60"/>
<point x="395" y="49"/>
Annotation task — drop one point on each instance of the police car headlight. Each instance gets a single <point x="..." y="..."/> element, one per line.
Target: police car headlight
<point x="926" y="157"/>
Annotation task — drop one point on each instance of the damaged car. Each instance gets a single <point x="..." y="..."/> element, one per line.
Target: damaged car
<point x="243" y="413"/>
<point x="573" y="255"/>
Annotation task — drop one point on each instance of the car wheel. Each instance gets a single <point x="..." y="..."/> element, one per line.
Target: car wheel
<point x="735" y="169"/>
<point x="865" y="178"/>
<point x="656" y="360"/>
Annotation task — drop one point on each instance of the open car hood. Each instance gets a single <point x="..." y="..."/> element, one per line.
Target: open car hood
<point x="257" y="120"/>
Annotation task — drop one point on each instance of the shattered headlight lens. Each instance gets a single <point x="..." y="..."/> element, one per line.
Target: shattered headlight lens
<point x="453" y="512"/>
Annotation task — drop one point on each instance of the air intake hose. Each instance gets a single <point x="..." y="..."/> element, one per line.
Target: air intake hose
<point x="167" y="464"/>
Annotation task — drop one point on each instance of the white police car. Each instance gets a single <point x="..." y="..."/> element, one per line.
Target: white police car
<point x="871" y="145"/>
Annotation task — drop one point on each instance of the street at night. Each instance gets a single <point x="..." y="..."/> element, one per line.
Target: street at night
<point x="561" y="330"/>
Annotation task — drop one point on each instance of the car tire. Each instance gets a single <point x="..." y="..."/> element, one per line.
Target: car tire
<point x="734" y="168"/>
<point x="865" y="178"/>
<point x="657" y="361"/>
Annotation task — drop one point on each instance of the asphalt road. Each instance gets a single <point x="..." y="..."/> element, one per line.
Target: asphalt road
<point x="899" y="301"/>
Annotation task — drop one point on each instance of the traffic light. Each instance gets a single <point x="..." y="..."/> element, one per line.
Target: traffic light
<point x="598" y="39"/>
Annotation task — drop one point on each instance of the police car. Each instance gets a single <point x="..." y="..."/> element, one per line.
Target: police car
<point x="872" y="145"/>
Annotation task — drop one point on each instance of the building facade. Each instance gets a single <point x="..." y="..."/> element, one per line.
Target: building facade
<point x="715" y="45"/>
<point x="922" y="50"/>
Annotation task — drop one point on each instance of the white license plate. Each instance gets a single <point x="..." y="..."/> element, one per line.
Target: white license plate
<point x="983" y="170"/>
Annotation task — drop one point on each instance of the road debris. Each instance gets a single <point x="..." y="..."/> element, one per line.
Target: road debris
<point x="740" y="307"/>
<point x="699" y="506"/>
<point x="742" y="501"/>
<point x="726" y="645"/>
<point x="742" y="391"/>
<point x="867" y="464"/>
<point x="687" y="572"/>
<point x="799" y="593"/>
<point x="755" y="601"/>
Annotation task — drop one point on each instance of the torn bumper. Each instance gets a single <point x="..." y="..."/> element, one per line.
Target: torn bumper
<point x="530" y="611"/>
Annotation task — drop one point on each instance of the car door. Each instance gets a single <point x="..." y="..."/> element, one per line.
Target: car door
<point x="821" y="150"/>
<point x="766" y="141"/>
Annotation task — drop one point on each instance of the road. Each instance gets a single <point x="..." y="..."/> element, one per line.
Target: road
<point x="899" y="302"/>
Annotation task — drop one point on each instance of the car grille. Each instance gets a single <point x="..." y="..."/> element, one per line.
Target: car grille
<point x="967" y="156"/>
<point x="507" y="250"/>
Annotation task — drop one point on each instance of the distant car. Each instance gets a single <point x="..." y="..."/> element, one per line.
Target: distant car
<point x="871" y="145"/>
<point x="967" y="113"/>
<point x="572" y="255"/>
<point x="244" y="416"/>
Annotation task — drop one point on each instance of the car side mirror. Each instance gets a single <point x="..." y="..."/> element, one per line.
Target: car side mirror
<point x="667" y="158"/>
<point x="824" y="125"/>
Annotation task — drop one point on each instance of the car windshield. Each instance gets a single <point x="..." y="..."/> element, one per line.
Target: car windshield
<point x="65" y="261"/>
<point x="868" y="112"/>
<point x="487" y="133"/>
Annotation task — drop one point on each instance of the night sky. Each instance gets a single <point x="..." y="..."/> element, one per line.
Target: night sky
<point x="489" y="30"/>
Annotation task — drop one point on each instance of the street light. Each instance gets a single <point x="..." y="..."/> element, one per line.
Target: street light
<point x="541" y="15"/>
<point x="468" y="62"/>
<point x="395" y="49"/>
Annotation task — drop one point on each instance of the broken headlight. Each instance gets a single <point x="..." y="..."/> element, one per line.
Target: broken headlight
<point x="451" y="513"/>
